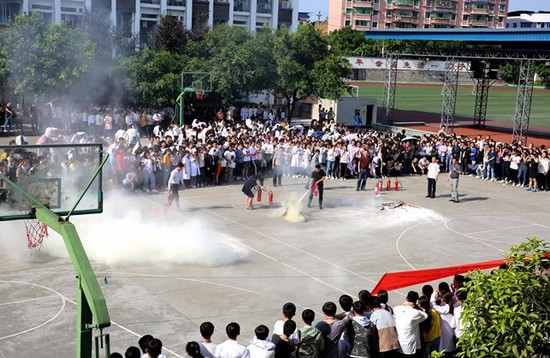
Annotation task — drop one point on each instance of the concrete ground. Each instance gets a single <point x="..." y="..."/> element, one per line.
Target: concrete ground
<point x="165" y="271"/>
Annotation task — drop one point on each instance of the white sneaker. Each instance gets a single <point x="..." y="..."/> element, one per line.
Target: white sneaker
<point x="521" y="186"/>
<point x="154" y="191"/>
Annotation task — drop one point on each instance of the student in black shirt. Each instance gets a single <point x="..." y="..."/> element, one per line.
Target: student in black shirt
<point x="316" y="179"/>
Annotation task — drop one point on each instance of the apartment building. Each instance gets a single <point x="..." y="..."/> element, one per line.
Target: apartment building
<point x="365" y="15"/>
<point x="528" y="20"/>
<point x="141" y="15"/>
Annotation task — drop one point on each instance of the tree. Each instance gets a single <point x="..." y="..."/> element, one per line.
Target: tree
<point x="45" y="59"/>
<point x="305" y="66"/>
<point x="155" y="76"/>
<point x="169" y="35"/>
<point x="3" y="66"/>
<point x="507" y="312"/>
<point x="103" y="82"/>
<point x="349" y="42"/>
<point x="230" y="61"/>
<point x="261" y="46"/>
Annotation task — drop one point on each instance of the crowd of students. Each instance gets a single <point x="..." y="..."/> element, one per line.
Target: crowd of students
<point x="235" y="145"/>
<point x="365" y="328"/>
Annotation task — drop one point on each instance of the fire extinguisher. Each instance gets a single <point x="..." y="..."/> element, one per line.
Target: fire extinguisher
<point x="380" y="185"/>
<point x="315" y="191"/>
<point x="396" y="185"/>
<point x="270" y="198"/>
<point x="376" y="189"/>
<point x="388" y="185"/>
<point x="259" y="196"/>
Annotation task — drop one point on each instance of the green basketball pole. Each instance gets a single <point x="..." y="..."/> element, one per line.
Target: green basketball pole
<point x="92" y="313"/>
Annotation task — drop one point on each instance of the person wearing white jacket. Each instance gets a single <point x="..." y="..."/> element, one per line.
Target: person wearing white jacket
<point x="261" y="347"/>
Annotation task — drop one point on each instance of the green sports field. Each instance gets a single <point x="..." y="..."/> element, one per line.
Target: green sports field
<point x="500" y="107"/>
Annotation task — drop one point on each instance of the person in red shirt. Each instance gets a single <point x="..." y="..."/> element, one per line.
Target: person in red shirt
<point x="363" y="167"/>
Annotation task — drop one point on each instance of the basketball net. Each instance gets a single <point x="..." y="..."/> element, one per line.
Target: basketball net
<point x="36" y="233"/>
<point x="199" y="94"/>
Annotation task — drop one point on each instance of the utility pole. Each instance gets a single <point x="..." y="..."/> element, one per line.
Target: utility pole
<point x="319" y="14"/>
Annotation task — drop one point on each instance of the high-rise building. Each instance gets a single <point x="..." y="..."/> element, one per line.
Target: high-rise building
<point x="365" y="15"/>
<point x="142" y="15"/>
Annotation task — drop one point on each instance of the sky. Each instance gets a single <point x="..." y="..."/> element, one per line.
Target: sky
<point x="314" y="6"/>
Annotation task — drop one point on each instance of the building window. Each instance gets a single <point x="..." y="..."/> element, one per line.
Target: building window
<point x="72" y="20"/>
<point x="241" y="5"/>
<point x="348" y="23"/>
<point x="525" y="25"/>
<point x="375" y="25"/>
<point x="362" y="11"/>
<point x="8" y="10"/>
<point x="515" y="25"/>
<point x="176" y="3"/>
<point x="264" y="6"/>
<point x="362" y="23"/>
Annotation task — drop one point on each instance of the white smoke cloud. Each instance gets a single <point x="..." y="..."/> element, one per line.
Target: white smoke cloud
<point x="123" y="235"/>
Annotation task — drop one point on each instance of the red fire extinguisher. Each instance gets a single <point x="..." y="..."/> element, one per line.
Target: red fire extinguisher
<point x="270" y="198"/>
<point x="380" y="185"/>
<point x="315" y="191"/>
<point x="376" y="189"/>
<point x="259" y="196"/>
<point x="388" y="185"/>
<point x="396" y="185"/>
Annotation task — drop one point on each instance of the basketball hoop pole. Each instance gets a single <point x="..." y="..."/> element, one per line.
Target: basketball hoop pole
<point x="92" y="310"/>
<point x="181" y="99"/>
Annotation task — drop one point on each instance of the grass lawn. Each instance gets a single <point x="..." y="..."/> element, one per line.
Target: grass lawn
<point x="500" y="107"/>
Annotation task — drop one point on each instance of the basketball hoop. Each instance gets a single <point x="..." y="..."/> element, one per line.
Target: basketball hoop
<point x="36" y="230"/>
<point x="199" y="94"/>
<point x="36" y="233"/>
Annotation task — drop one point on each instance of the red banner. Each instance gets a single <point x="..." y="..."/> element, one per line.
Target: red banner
<point x="395" y="280"/>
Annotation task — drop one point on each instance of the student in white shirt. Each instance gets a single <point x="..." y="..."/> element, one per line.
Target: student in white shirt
<point x="231" y="348"/>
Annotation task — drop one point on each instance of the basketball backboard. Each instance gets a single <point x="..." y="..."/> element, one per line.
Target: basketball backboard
<point x="201" y="81"/>
<point x="55" y="175"/>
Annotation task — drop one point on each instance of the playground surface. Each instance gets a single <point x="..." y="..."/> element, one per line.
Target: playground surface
<point x="165" y="271"/>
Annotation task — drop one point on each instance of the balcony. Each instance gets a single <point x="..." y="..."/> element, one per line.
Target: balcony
<point x="447" y="4"/>
<point x="365" y="17"/>
<point x="405" y="19"/>
<point x="481" y="10"/>
<point x="479" y="23"/>
<point x="403" y="6"/>
<point x="441" y="21"/>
